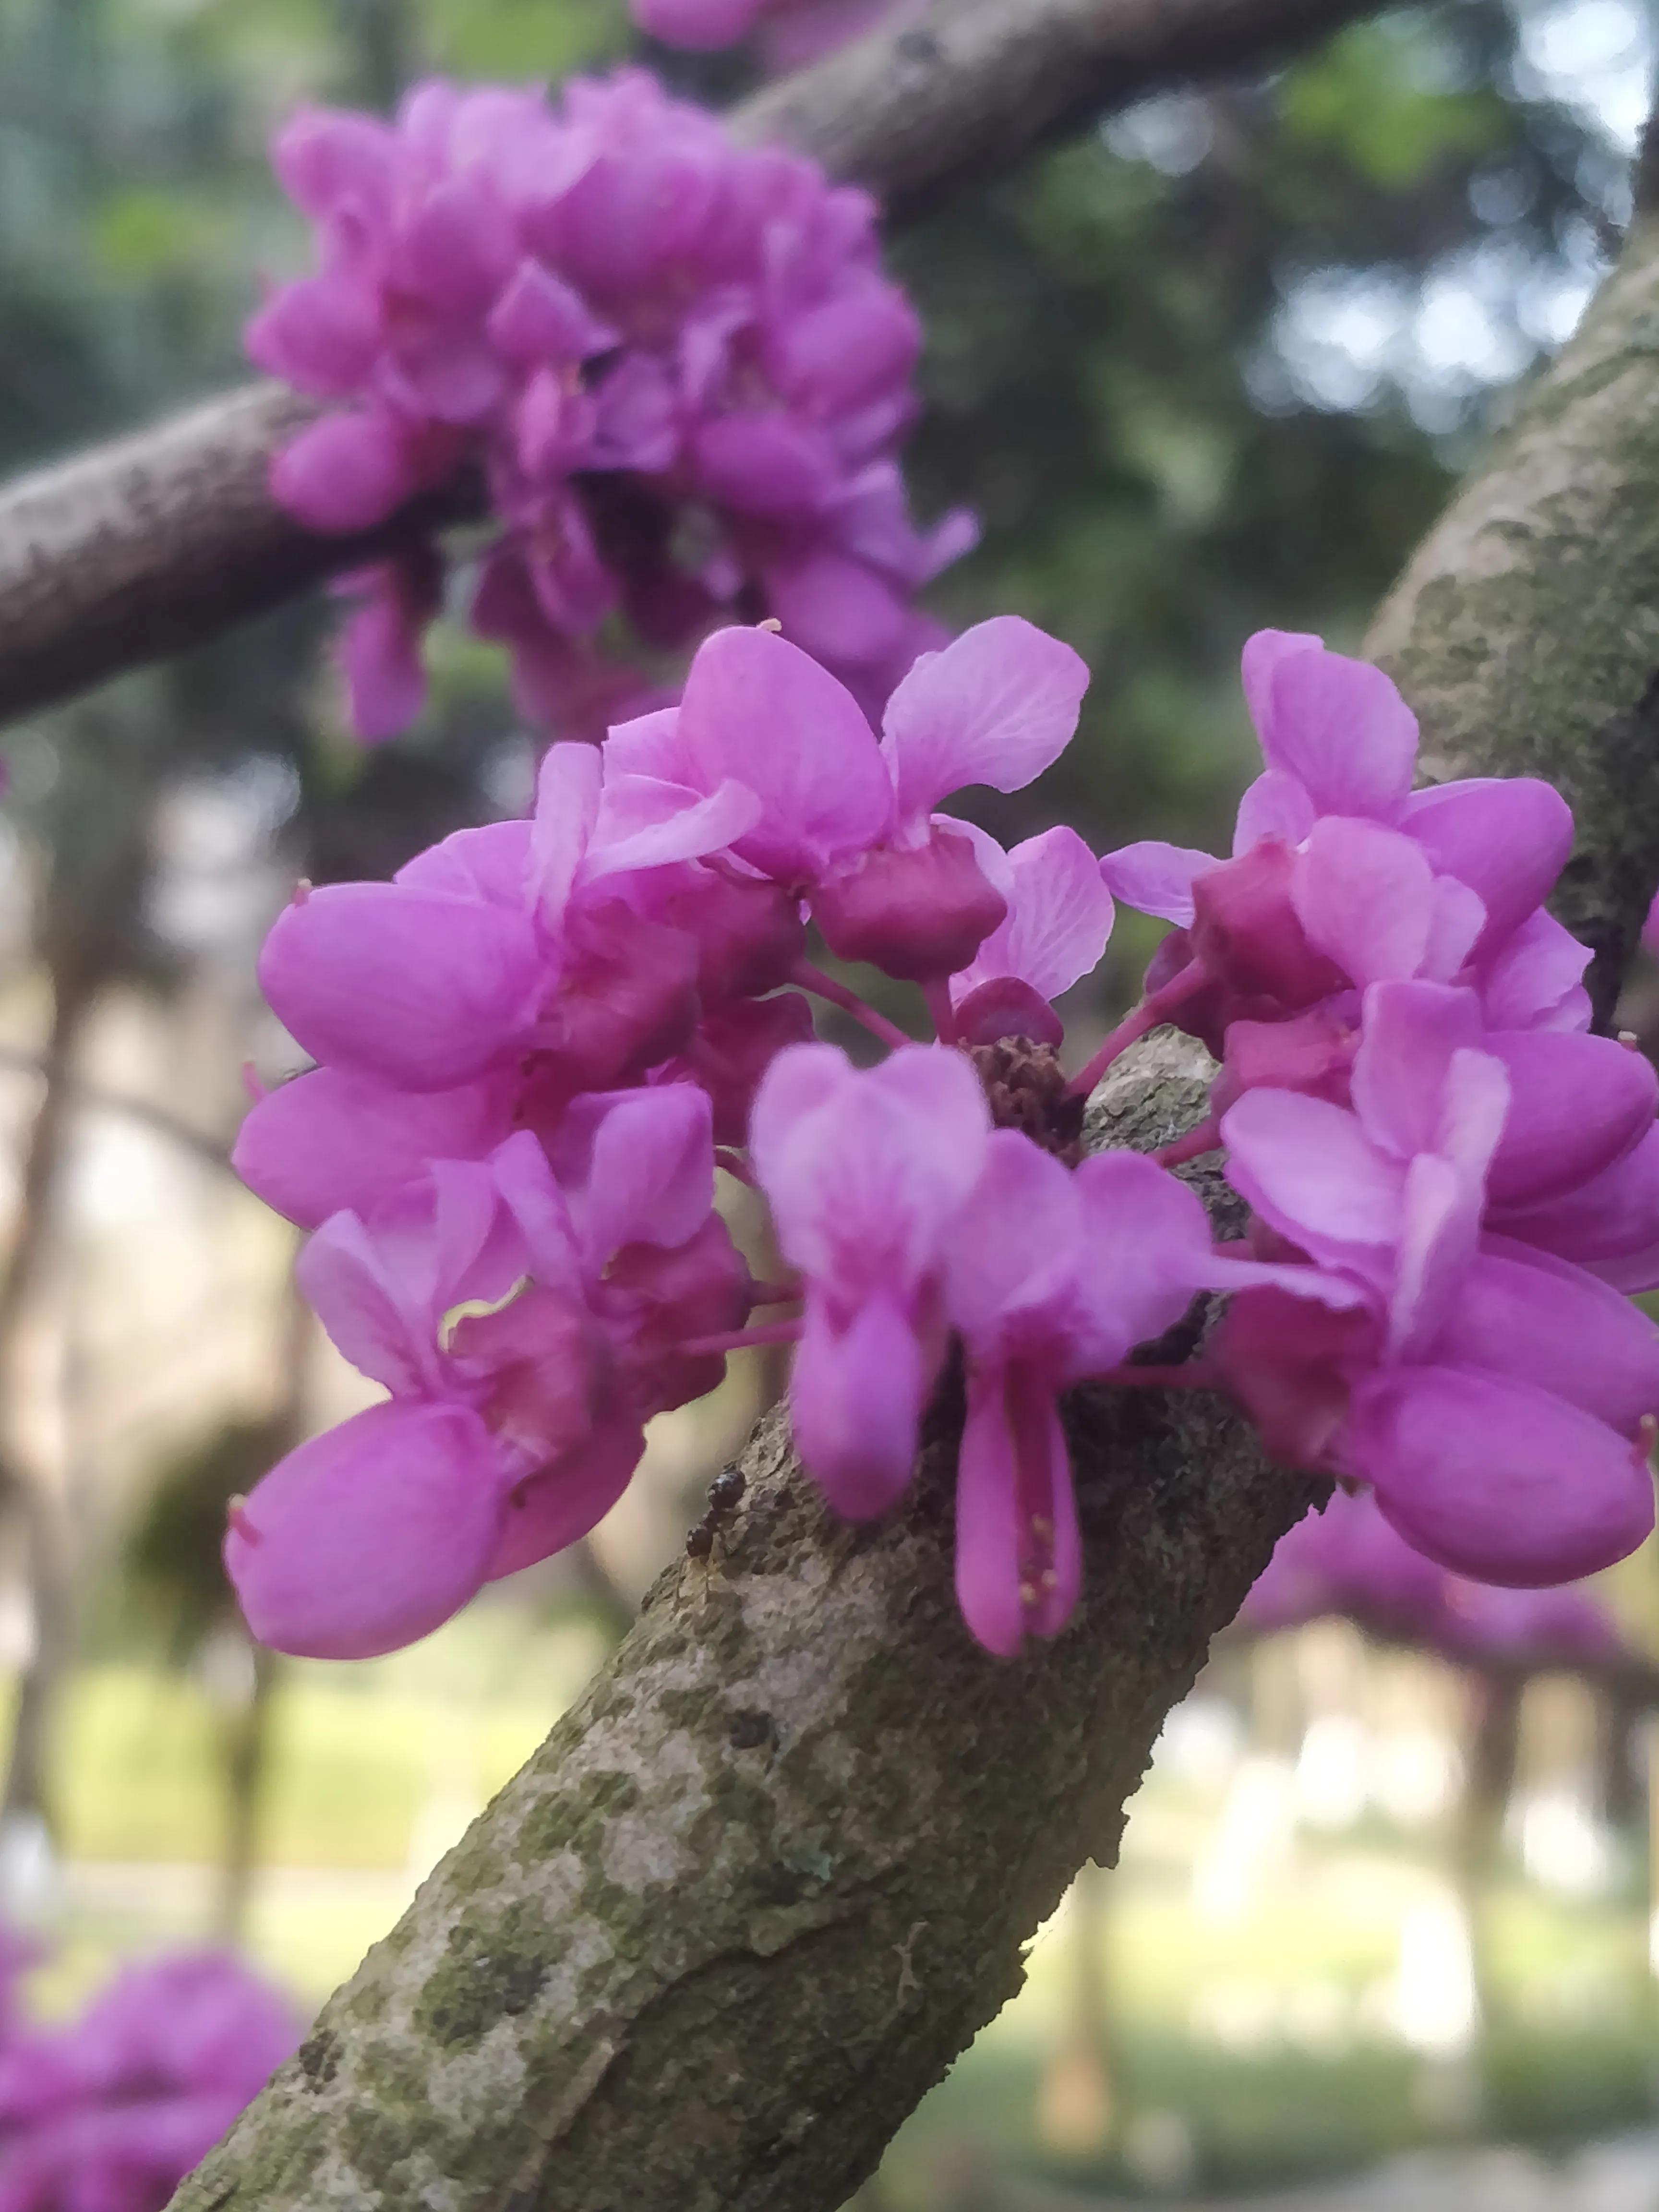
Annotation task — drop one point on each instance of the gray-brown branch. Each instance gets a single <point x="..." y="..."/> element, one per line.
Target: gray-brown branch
<point x="163" y="540"/>
<point x="767" y="1877"/>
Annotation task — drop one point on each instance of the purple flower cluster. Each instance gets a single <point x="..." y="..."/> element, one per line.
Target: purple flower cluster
<point x="675" y="362"/>
<point x="1349" y="1561"/>
<point x="1410" y="1104"/>
<point x="539" y="1043"/>
<point x="110" y="2113"/>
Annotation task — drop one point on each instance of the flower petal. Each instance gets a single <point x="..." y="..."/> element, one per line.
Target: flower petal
<point x="998" y="706"/>
<point x="1496" y="1479"/>
<point x="1506" y="837"/>
<point x="1341" y="728"/>
<point x="758" y="711"/>
<point x="855" y="1400"/>
<point x="370" y="1536"/>
<point x="1156" y="878"/>
<point x="422" y="990"/>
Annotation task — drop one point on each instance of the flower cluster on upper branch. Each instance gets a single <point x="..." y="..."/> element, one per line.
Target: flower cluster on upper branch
<point x="675" y="362"/>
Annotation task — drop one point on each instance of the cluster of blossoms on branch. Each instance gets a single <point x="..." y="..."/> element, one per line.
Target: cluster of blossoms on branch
<point x="1348" y="1562"/>
<point x="1410" y="1102"/>
<point x="110" y="2113"/>
<point x="536" y="1046"/>
<point x="675" y="363"/>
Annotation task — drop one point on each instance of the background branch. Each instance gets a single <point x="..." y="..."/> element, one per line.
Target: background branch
<point x="164" y="539"/>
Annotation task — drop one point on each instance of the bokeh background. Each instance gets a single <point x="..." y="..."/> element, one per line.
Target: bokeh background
<point x="1215" y="365"/>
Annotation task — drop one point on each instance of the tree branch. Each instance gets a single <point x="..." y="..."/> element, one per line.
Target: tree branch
<point x="772" y="1873"/>
<point x="158" y="542"/>
<point x="1525" y="630"/>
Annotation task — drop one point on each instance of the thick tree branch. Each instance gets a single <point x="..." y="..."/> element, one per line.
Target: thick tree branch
<point x="143" y="548"/>
<point x="777" y="1868"/>
<point x="1525" y="630"/>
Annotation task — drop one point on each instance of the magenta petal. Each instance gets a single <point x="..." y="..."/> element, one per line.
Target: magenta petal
<point x="1307" y="1169"/>
<point x="855" y="1400"/>
<point x="380" y="1319"/>
<point x="370" y="1536"/>
<point x="1015" y="1248"/>
<point x="385" y="677"/>
<point x="1508" y="838"/>
<point x="638" y="1167"/>
<point x="329" y="1139"/>
<point x="1408" y="1036"/>
<point x="1535" y="981"/>
<point x="704" y="25"/>
<point x="1495" y="1480"/>
<point x="422" y="990"/>
<point x="1060" y="917"/>
<point x="321" y="334"/>
<point x="998" y="706"/>
<point x="1341" y="728"/>
<point x="345" y="473"/>
<point x="1261" y="656"/>
<point x="1539" y="1320"/>
<point x="1156" y="878"/>
<point x="1019" y="1560"/>
<point x="553" y="1509"/>
<point x="757" y="711"/>
<point x="1275" y="805"/>
<point x="1364" y="895"/>
<point x="1610" y="1223"/>
<point x="1579" y="1104"/>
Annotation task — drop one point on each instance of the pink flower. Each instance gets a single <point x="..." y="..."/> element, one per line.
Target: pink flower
<point x="674" y="362"/>
<point x="113" y="2111"/>
<point x="1343" y="876"/>
<point x="1492" y="1395"/>
<point x="1059" y="919"/>
<point x="1348" y="1560"/>
<point x="851" y="823"/>
<point x="866" y="1173"/>
<point x="526" y="1328"/>
<point x="1054" y="1277"/>
<point x="508" y="941"/>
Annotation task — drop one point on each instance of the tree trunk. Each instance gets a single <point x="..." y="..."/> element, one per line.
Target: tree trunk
<point x="24" y="1794"/>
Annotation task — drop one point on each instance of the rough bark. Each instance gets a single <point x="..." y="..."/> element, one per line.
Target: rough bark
<point x="161" y="541"/>
<point x="771" y="1873"/>
<point x="24" y="1793"/>
<point x="1525" y="630"/>
<point x="976" y="82"/>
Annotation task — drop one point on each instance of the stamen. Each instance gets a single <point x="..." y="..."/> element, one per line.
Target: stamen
<point x="478" y="1310"/>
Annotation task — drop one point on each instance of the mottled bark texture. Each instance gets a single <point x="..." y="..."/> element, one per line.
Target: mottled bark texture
<point x="771" y="1873"/>
<point x="161" y="541"/>
<point x="1525" y="631"/>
